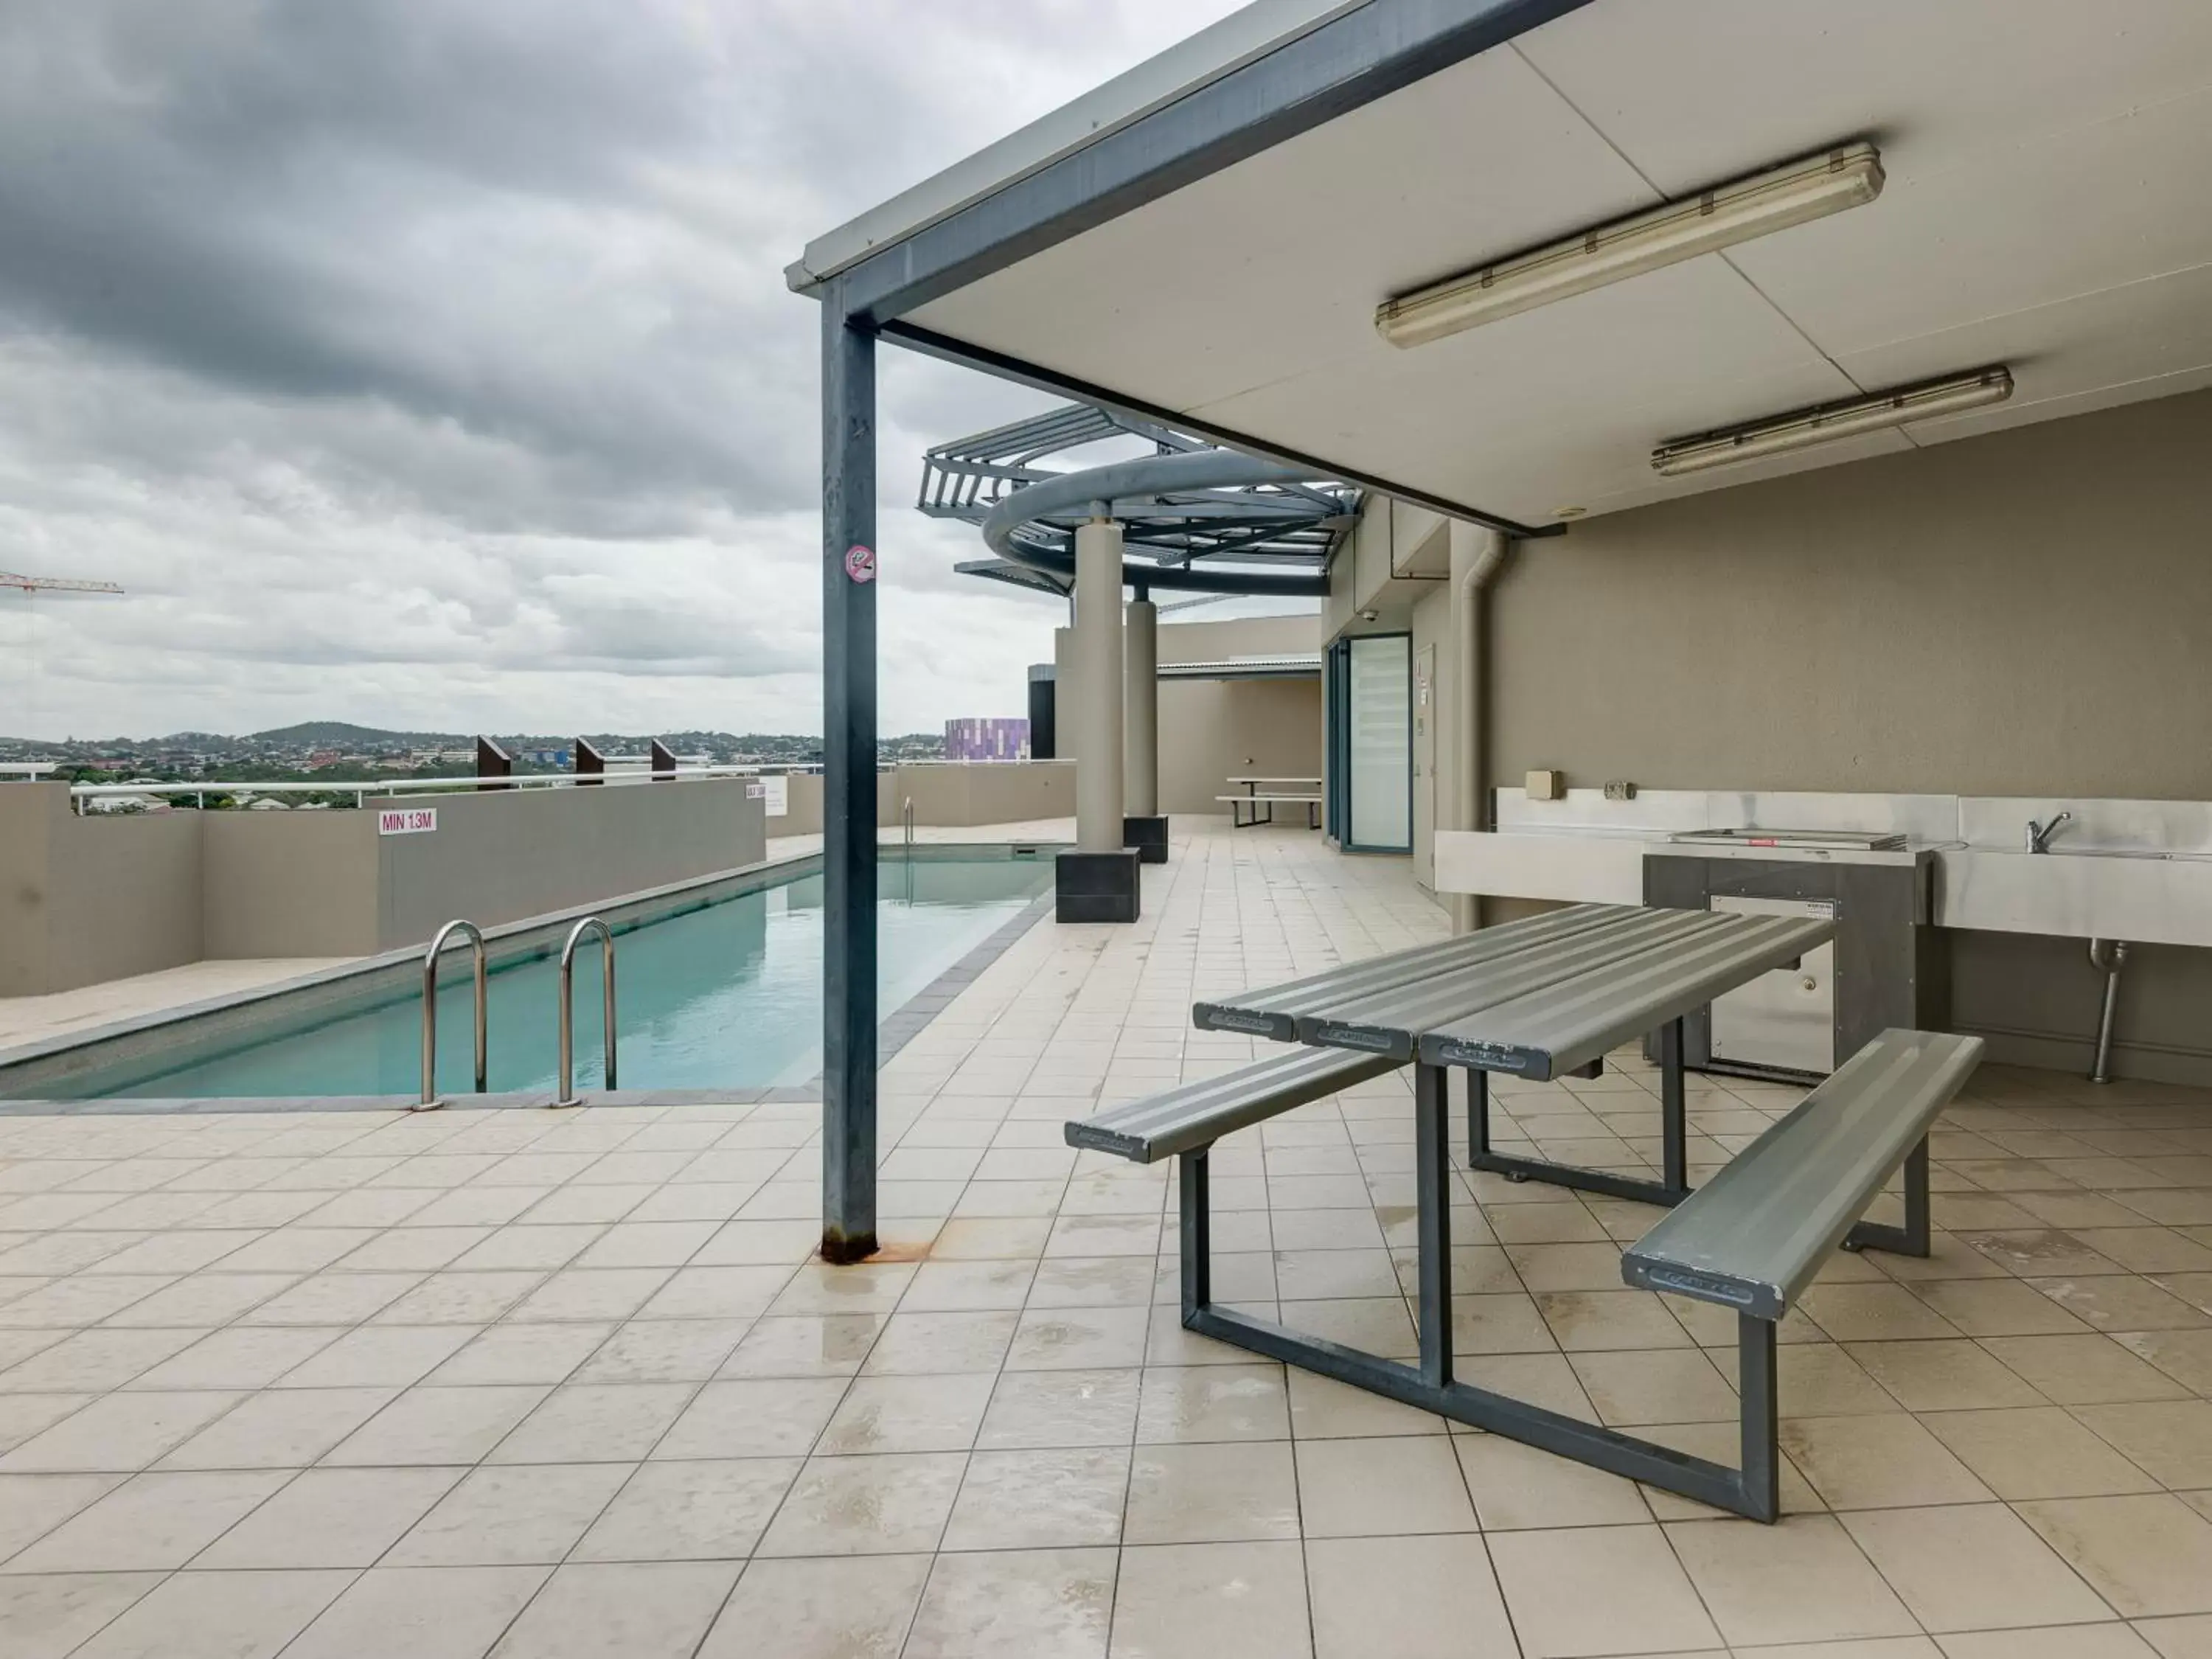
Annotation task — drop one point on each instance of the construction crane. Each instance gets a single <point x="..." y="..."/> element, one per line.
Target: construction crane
<point x="55" y="584"/>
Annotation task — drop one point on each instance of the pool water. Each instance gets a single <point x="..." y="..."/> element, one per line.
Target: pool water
<point x="728" y="996"/>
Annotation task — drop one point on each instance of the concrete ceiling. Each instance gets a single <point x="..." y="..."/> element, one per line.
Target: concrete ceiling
<point x="2043" y="208"/>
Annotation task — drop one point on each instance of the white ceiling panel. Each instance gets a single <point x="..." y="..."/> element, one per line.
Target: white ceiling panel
<point x="2045" y="208"/>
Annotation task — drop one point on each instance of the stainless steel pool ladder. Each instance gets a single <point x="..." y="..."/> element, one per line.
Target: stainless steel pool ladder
<point x="589" y="924"/>
<point x="907" y="816"/>
<point x="430" y="1010"/>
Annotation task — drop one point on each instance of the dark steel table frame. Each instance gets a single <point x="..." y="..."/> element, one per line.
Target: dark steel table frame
<point x="1674" y="1183"/>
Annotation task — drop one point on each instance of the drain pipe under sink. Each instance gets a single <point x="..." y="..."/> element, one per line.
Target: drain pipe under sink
<point x="1476" y="553"/>
<point x="2108" y="957"/>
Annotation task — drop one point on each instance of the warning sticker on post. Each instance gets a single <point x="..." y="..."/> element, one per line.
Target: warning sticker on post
<point x="860" y="563"/>
<point x="407" y="821"/>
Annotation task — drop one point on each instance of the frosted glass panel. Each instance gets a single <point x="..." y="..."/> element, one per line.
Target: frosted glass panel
<point x="1382" y="742"/>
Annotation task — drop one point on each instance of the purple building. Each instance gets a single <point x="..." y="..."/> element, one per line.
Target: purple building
<point x="986" y="739"/>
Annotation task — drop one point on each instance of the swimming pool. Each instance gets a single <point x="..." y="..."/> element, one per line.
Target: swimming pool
<point x="724" y="995"/>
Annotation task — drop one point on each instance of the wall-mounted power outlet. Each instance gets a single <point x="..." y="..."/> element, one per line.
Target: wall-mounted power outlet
<point x="1619" y="789"/>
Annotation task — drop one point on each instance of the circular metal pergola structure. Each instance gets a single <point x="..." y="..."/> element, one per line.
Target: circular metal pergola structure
<point x="1192" y="516"/>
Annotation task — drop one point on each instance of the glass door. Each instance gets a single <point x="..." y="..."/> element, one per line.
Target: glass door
<point x="1377" y="741"/>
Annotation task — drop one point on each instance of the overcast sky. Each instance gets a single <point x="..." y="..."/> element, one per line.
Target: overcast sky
<point x="428" y="363"/>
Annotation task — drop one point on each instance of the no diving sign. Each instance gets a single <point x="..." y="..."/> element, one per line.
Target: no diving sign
<point x="407" y="821"/>
<point x="860" y="563"/>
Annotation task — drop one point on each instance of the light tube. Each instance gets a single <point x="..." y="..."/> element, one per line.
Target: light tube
<point x="1826" y="423"/>
<point x="1847" y="176"/>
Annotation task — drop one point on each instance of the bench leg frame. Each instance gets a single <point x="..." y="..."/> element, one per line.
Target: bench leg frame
<point x="1753" y="1489"/>
<point x="1672" y="1188"/>
<point x="1914" y="1237"/>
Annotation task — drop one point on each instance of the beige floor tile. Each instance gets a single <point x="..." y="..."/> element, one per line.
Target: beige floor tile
<point x="955" y="1287"/>
<point x="909" y="1415"/>
<point x="1667" y="1385"/>
<point x="1125" y="1281"/>
<point x="693" y="1509"/>
<point x="1997" y="1307"/>
<point x="87" y="1362"/>
<point x="1039" y="1603"/>
<point x="917" y="1344"/>
<point x="380" y="1356"/>
<point x="642" y="1610"/>
<point x="2059" y="1641"/>
<point x="1323" y="1409"/>
<point x="1801" y="1580"/>
<point x="1517" y="1487"/>
<point x="2147" y="1555"/>
<point x="1540" y="1379"/>
<point x="218" y="1615"/>
<point x="330" y="1518"/>
<point x="120" y="1433"/>
<point x="1211" y="1493"/>
<point x="441" y="1613"/>
<point x="2171" y="1441"/>
<point x="1877" y="1463"/>
<point x="47" y="1617"/>
<point x="149" y="1523"/>
<point x="438" y="1425"/>
<point x="2185" y="1356"/>
<point x="1040" y="1409"/>
<point x="1975" y="1566"/>
<point x="885" y="1505"/>
<point x="1243" y="1600"/>
<point x="1722" y="1444"/>
<point x="1945" y="1375"/>
<point x="1873" y="1313"/>
<point x="754" y="1417"/>
<point x="2189" y="1637"/>
<point x="1364" y="1488"/>
<point x="1078" y="1338"/>
<point x="2123" y="1303"/>
<point x="280" y="1429"/>
<point x="1412" y="1598"/>
<point x="1598" y="1590"/>
<point x="524" y="1515"/>
<point x="586" y="1422"/>
<point x="2040" y="1452"/>
<point x="1590" y="1320"/>
<point x="867" y="1287"/>
<point x="2083" y="1370"/>
<point x="1043" y="1499"/>
<point x="240" y="1357"/>
<point x="643" y="1350"/>
<point x="1213" y="1402"/>
<point x="810" y="1345"/>
<point x="856" y="1607"/>
<point x="32" y="1505"/>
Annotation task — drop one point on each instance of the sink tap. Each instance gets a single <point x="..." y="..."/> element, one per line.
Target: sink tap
<point x="2039" y="835"/>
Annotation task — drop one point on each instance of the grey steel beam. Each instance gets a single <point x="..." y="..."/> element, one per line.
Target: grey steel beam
<point x="1341" y="65"/>
<point x="1553" y="1029"/>
<point x="849" y="799"/>
<point x="1023" y="373"/>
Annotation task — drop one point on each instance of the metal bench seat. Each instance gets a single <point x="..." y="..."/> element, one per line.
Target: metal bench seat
<point x="1757" y="1234"/>
<point x="1196" y="1114"/>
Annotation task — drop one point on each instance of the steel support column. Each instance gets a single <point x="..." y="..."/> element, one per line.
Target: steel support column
<point x="1141" y="737"/>
<point x="848" y="784"/>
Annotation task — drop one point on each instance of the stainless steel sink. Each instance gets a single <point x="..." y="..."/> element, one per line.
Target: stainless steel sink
<point x="2149" y="896"/>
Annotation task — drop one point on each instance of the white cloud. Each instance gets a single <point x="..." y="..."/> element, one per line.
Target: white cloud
<point x="432" y="367"/>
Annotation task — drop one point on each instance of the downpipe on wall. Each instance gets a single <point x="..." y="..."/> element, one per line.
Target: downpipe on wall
<point x="1477" y="554"/>
<point x="2108" y="957"/>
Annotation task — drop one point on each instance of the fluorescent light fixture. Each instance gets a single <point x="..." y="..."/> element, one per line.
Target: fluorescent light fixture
<point x="1848" y="176"/>
<point x="1826" y="422"/>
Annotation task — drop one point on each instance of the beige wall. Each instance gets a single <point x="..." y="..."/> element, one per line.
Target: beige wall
<point x="88" y="899"/>
<point x="502" y="855"/>
<point x="2028" y="613"/>
<point x="1212" y="730"/>
<point x="966" y="792"/>
<point x="289" y="883"/>
<point x="83" y="900"/>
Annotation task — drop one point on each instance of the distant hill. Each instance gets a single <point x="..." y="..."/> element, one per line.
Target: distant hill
<point x="340" y="734"/>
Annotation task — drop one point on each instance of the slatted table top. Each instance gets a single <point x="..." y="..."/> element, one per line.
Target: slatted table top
<point x="1537" y="998"/>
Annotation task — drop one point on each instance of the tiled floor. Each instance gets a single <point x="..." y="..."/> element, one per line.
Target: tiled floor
<point x="25" y="1020"/>
<point x="565" y="1384"/>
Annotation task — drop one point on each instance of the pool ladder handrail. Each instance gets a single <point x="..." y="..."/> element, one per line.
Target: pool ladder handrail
<point x="430" y="1010"/>
<point x="907" y="816"/>
<point x="589" y="924"/>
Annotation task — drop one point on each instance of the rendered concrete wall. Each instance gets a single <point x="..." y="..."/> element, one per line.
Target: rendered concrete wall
<point x="83" y="900"/>
<point x="960" y="794"/>
<point x="502" y="855"/>
<point x="290" y="884"/>
<point x="1213" y="730"/>
<point x="2026" y="613"/>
